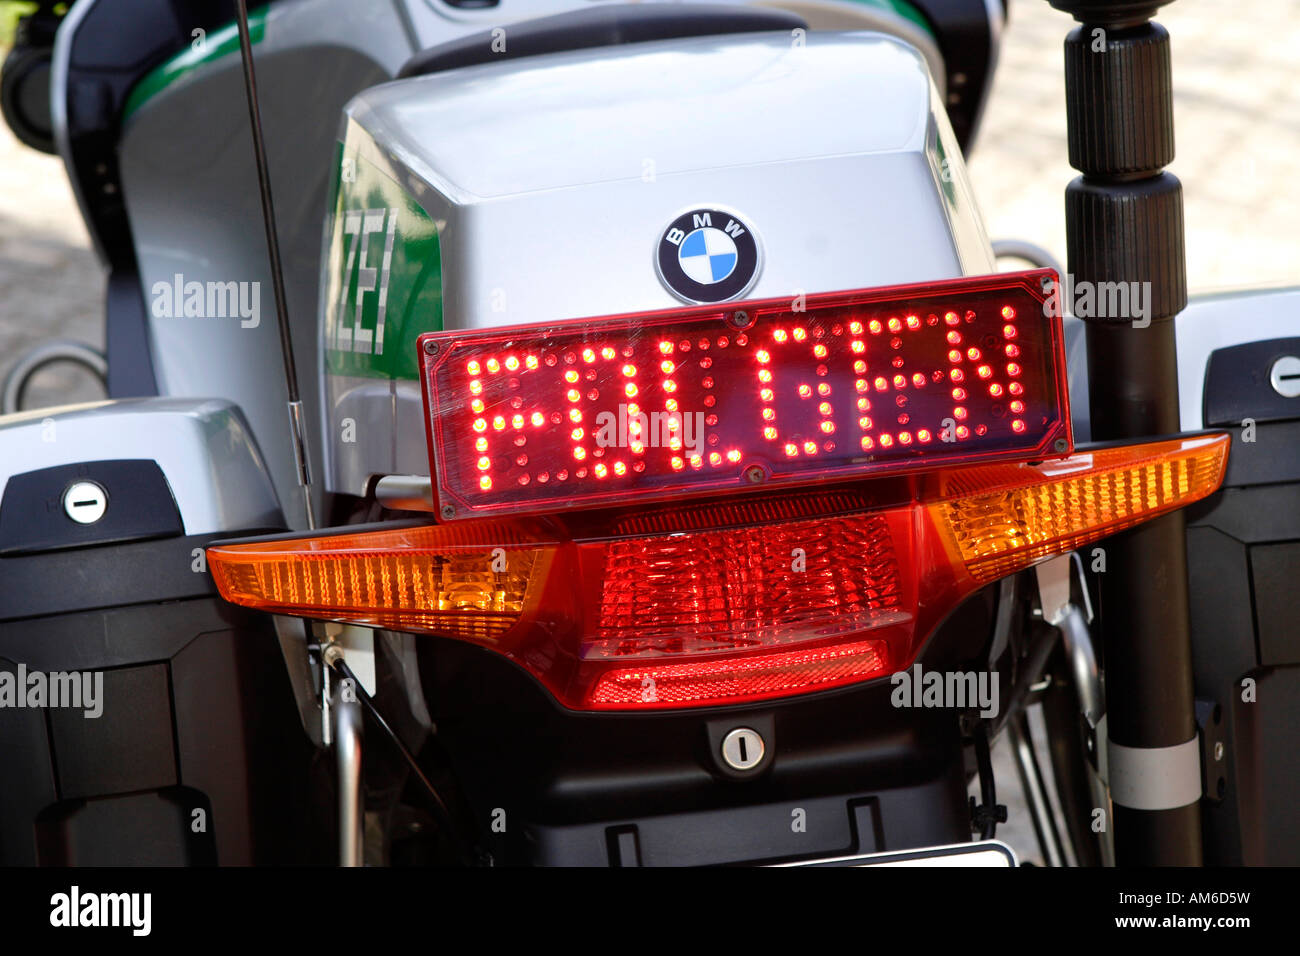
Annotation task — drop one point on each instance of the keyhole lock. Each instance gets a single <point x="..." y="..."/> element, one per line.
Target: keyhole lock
<point x="85" y="502"/>
<point x="743" y="749"/>
<point x="1284" y="376"/>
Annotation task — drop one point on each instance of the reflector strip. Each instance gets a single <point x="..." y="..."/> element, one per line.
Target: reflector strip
<point x="754" y="677"/>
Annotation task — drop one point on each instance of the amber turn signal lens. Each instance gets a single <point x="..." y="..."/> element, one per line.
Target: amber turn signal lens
<point x="472" y="583"/>
<point x="1002" y="519"/>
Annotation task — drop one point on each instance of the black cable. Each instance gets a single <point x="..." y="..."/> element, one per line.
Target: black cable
<point x="268" y="210"/>
<point x="298" y="431"/>
<point x="989" y="814"/>
<point x="464" y="846"/>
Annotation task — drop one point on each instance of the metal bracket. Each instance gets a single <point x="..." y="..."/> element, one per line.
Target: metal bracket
<point x="1072" y="623"/>
<point x="358" y="647"/>
<point x="1060" y="611"/>
<point x="406" y="493"/>
<point x="1214" y="753"/>
<point x="345" y="710"/>
<point x="1053" y="577"/>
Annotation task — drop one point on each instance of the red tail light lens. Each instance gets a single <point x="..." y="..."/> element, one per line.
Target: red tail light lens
<point x="775" y="392"/>
<point x="746" y="588"/>
<point x="699" y="614"/>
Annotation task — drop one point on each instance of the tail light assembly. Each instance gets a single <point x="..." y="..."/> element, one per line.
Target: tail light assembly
<point x="722" y="603"/>
<point x="854" y="496"/>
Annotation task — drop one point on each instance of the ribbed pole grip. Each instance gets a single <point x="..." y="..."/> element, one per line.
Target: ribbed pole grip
<point x="1129" y="232"/>
<point x="1118" y="100"/>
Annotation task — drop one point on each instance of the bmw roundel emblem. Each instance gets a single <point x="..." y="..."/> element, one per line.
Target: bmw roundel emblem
<point x="708" y="255"/>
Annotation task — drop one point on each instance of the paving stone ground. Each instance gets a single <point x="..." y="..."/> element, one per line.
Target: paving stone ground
<point x="1237" y="108"/>
<point x="51" y="285"/>
<point x="1237" y="137"/>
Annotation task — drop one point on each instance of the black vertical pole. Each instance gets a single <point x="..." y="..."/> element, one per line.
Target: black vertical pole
<point x="1124" y="224"/>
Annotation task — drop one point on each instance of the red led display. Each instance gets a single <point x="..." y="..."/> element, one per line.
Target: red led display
<point x="704" y="398"/>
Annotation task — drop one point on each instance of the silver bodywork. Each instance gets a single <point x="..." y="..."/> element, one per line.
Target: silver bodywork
<point x="191" y="196"/>
<point x="190" y="192"/>
<point x="550" y="180"/>
<point x="215" y="234"/>
<point x="204" y="447"/>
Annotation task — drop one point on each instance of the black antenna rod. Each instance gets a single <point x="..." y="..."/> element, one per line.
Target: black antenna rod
<point x="296" y="423"/>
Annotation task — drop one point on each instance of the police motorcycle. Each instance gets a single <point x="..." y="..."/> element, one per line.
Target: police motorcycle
<point x="647" y="463"/>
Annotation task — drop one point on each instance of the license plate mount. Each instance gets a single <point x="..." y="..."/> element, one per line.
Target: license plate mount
<point x="981" y="853"/>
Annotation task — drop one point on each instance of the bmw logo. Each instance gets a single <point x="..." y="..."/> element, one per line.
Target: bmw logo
<point x="708" y="255"/>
